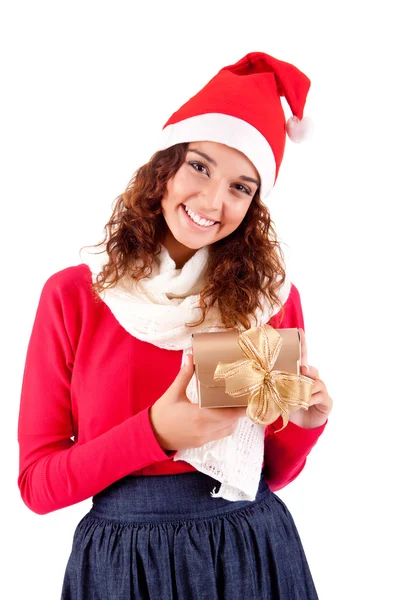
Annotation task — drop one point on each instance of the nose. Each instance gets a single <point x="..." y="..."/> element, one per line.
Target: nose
<point x="213" y="197"/>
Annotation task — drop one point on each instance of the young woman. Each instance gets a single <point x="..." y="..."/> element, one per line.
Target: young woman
<point x="191" y="247"/>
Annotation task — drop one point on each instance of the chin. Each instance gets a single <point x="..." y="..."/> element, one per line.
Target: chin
<point x="189" y="243"/>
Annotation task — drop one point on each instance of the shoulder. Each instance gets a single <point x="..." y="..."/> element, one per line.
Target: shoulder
<point x="68" y="288"/>
<point x="67" y="305"/>
<point x="291" y="313"/>
<point x="293" y="298"/>
<point x="69" y="278"/>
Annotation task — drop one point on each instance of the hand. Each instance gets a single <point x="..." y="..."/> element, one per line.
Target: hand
<point x="320" y="404"/>
<point x="179" y="424"/>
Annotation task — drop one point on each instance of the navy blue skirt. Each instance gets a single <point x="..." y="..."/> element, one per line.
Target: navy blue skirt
<point x="165" y="538"/>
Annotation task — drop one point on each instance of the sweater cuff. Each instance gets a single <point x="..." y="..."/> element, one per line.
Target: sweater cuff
<point x="295" y="436"/>
<point x="151" y="439"/>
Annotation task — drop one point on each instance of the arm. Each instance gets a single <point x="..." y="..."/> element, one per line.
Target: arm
<point x="54" y="470"/>
<point x="285" y="452"/>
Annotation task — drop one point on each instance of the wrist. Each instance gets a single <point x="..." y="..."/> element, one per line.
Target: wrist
<point x="302" y="420"/>
<point x="160" y="440"/>
<point x="152" y="419"/>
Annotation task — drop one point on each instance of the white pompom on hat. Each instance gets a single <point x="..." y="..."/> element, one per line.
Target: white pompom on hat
<point x="297" y="130"/>
<point x="241" y="107"/>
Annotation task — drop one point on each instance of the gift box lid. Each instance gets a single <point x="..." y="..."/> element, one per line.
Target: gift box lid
<point x="210" y="348"/>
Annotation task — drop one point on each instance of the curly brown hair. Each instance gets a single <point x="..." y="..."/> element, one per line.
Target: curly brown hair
<point x="243" y="267"/>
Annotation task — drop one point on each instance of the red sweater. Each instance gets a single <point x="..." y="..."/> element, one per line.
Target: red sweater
<point x="87" y="378"/>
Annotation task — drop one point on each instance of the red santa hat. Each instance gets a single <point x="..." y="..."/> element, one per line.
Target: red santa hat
<point x="241" y="107"/>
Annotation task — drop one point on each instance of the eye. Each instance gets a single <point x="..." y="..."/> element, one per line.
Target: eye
<point x="245" y="189"/>
<point x="194" y="164"/>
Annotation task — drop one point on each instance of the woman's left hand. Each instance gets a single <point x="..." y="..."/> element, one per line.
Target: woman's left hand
<point x="320" y="404"/>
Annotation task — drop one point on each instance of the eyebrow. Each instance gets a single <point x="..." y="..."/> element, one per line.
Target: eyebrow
<point x="213" y="162"/>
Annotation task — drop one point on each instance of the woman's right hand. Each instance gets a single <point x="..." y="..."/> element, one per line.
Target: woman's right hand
<point x="180" y="424"/>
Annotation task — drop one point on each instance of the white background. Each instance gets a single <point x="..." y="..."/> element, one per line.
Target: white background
<point x="85" y="90"/>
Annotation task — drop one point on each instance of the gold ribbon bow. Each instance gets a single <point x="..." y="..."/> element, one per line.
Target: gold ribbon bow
<point x="273" y="393"/>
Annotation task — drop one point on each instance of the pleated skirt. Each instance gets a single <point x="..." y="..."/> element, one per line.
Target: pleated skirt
<point x="166" y="538"/>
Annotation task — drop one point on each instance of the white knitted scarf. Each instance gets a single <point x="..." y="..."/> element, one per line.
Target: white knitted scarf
<point x="155" y="310"/>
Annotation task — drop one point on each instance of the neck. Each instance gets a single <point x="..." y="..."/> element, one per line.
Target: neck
<point x="179" y="253"/>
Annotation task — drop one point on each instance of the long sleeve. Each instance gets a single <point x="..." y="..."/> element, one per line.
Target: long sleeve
<point x="285" y="452"/>
<point x="54" y="470"/>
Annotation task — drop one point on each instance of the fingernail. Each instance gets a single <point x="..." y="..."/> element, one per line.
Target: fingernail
<point x="305" y="367"/>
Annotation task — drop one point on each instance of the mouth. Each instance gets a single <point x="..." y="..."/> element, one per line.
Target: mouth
<point x="204" y="225"/>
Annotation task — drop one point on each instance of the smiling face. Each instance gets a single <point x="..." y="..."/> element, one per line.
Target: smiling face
<point x="207" y="198"/>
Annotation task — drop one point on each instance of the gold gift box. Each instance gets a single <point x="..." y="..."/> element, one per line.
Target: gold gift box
<point x="211" y="348"/>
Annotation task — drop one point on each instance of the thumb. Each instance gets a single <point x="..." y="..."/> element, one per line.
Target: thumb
<point x="186" y="372"/>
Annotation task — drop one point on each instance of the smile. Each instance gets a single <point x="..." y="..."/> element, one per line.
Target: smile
<point x="198" y="221"/>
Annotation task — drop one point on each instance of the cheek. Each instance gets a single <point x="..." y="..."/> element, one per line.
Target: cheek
<point x="183" y="184"/>
<point x="171" y="193"/>
<point x="235" y="213"/>
<point x="178" y="189"/>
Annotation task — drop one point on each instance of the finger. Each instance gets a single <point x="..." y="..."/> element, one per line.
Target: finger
<point x="188" y="360"/>
<point x="310" y="371"/>
<point x="318" y="386"/>
<point x="322" y="401"/>
<point x="303" y="348"/>
<point x="184" y="374"/>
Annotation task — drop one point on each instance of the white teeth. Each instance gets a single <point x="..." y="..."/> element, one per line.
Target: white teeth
<point x="197" y="219"/>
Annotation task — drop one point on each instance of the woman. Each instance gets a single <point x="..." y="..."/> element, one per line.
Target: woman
<point x="191" y="247"/>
